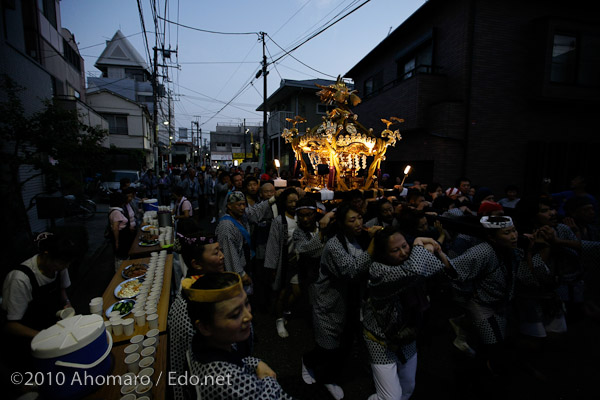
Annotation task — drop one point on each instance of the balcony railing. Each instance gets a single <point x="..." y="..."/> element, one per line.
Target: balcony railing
<point x="277" y="122"/>
<point x="419" y="69"/>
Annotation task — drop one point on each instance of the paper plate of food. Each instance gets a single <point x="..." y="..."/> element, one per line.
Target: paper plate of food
<point x="129" y="289"/>
<point x="147" y="228"/>
<point x="122" y="306"/>
<point x="148" y="242"/>
<point x="134" y="271"/>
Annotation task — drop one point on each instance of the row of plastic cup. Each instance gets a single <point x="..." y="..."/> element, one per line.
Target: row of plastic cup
<point x="120" y="326"/>
<point x="146" y="305"/>
<point x="96" y="305"/>
<point x="139" y="358"/>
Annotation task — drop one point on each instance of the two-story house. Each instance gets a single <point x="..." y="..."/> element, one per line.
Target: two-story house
<point x="502" y="91"/>
<point x="125" y="72"/>
<point x="292" y="98"/>
<point x="129" y="122"/>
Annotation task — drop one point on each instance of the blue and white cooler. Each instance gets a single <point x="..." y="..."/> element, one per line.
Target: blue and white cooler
<point x="150" y="205"/>
<point x="72" y="355"/>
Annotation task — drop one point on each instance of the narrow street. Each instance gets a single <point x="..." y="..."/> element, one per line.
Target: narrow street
<point x="566" y="369"/>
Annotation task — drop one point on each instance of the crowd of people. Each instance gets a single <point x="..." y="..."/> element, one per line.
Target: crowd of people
<point x="359" y="269"/>
<point x="364" y="269"/>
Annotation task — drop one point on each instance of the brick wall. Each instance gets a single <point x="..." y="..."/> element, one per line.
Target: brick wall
<point x="497" y="98"/>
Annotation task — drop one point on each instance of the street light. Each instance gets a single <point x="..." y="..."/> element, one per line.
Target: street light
<point x="246" y="144"/>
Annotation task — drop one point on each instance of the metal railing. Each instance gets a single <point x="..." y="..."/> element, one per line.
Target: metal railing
<point x="277" y="122"/>
<point x="419" y="69"/>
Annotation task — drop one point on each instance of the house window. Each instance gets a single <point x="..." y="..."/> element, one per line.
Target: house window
<point x="144" y="99"/>
<point x="564" y="59"/>
<point x="117" y="124"/>
<point x="418" y="61"/>
<point x="575" y="59"/>
<point x="221" y="146"/>
<point x="71" y="56"/>
<point x="48" y="8"/>
<point x="135" y="74"/>
<point x="71" y="91"/>
<point x="373" y="84"/>
<point x="325" y="108"/>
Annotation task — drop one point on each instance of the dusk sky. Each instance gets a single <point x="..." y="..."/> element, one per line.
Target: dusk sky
<point x="213" y="68"/>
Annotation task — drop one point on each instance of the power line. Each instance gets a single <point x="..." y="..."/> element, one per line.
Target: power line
<point x="322" y="30"/>
<point x="204" y="95"/>
<point x="306" y="65"/>
<point x="237" y="69"/>
<point x="235" y="105"/>
<point x="206" y="30"/>
<point x="274" y="65"/>
<point x="310" y="30"/>
<point x="290" y="18"/>
<point x="218" y="62"/>
<point x="229" y="102"/>
<point x="298" y="71"/>
<point x="147" y="47"/>
<point x="104" y="43"/>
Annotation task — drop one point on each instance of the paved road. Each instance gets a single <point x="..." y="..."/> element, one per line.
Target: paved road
<point x="566" y="369"/>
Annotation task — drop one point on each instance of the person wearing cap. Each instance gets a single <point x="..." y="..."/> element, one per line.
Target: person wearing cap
<point x="461" y="291"/>
<point x="219" y="310"/>
<point x="493" y="268"/>
<point x="202" y="254"/>
<point x="453" y="193"/>
<point x="233" y="231"/>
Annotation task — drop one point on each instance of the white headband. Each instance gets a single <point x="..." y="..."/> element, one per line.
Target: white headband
<point x="506" y="222"/>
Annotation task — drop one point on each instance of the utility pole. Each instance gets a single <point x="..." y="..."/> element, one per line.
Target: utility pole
<point x="192" y="133"/>
<point x="170" y="130"/>
<point x="155" y="96"/>
<point x="264" y="139"/>
<point x="196" y="145"/>
<point x="155" y="106"/>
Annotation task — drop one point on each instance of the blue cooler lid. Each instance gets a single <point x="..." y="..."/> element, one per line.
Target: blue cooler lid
<point x="67" y="336"/>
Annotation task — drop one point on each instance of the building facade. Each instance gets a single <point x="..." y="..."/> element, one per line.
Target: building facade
<point x="234" y="144"/>
<point x="125" y="72"/>
<point x="501" y="91"/>
<point x="129" y="122"/>
<point x="42" y="57"/>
